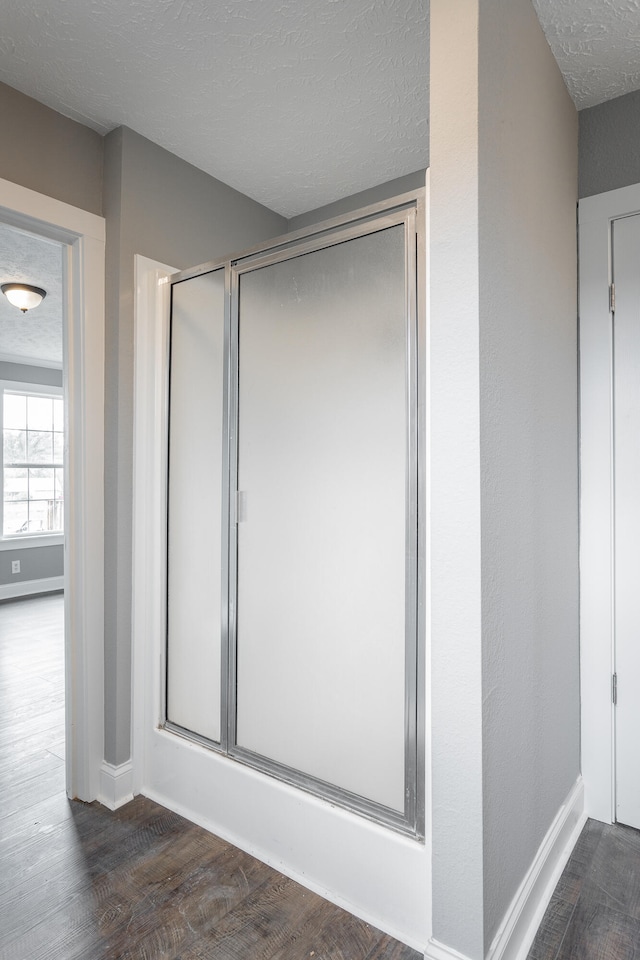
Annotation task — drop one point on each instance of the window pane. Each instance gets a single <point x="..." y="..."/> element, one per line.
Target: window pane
<point x="56" y="515"/>
<point x="33" y="433"/>
<point x="58" y="415"/>
<point x="41" y="484"/>
<point x="38" y="516"/>
<point x="16" y="484"/>
<point x="15" y="446"/>
<point x="39" y="413"/>
<point x="45" y="516"/>
<point x="16" y="516"/>
<point x="39" y="447"/>
<point x="15" y="411"/>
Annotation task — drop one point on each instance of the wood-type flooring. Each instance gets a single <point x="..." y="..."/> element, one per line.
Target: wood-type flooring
<point x="594" y="913"/>
<point x="78" y="882"/>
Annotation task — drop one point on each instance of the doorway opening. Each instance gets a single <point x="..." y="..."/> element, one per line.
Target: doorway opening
<point x="33" y="490"/>
<point x="32" y="422"/>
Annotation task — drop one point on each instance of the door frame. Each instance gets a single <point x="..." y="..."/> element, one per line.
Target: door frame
<point x="83" y="233"/>
<point x="149" y="498"/>
<point x="597" y="639"/>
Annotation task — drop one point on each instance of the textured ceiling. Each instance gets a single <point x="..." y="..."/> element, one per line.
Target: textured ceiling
<point x="596" y="44"/>
<point x="36" y="336"/>
<point x="294" y="102"/>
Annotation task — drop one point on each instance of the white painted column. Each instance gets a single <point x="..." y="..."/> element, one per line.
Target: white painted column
<point x="454" y="427"/>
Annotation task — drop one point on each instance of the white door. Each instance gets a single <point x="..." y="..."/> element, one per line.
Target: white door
<point x="626" y="333"/>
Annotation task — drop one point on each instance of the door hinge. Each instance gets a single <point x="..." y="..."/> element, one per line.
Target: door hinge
<point x="614" y="688"/>
<point x="612" y="297"/>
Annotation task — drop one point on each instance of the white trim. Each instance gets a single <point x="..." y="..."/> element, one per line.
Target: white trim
<point x="116" y="784"/>
<point x="595" y="215"/>
<point x="25" y="588"/>
<point x="30" y="361"/>
<point x="440" y="951"/>
<point x="623" y="202"/>
<point x="84" y="514"/>
<point x="31" y="540"/>
<point x="149" y="418"/>
<point x="26" y="386"/>
<point x="83" y="234"/>
<point x="41" y="214"/>
<point x="524" y="915"/>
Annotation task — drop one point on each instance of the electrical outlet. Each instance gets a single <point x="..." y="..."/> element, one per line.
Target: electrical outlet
<point x="15" y="566"/>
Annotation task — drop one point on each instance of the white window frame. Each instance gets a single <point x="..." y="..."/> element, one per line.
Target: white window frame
<point x="25" y="540"/>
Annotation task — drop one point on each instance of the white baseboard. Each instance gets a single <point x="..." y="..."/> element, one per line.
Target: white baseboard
<point x="440" y="951"/>
<point x="116" y="784"/>
<point x="521" y="921"/>
<point x="24" y="588"/>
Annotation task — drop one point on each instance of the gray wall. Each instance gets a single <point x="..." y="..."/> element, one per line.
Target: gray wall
<point x="47" y="152"/>
<point x="163" y="208"/>
<point x="29" y="373"/>
<point x="528" y="163"/>
<point x="504" y="493"/>
<point x="610" y="145"/>
<point x="36" y="563"/>
<point x="383" y="191"/>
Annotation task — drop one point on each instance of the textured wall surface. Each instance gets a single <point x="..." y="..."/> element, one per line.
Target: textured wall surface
<point x="383" y="191"/>
<point x="293" y="102"/>
<point x="503" y="441"/>
<point x="595" y="43"/>
<point x="529" y="445"/>
<point x="47" y="152"/>
<point x="161" y="207"/>
<point x="610" y="145"/>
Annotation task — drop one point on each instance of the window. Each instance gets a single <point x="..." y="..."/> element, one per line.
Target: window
<point x="32" y="460"/>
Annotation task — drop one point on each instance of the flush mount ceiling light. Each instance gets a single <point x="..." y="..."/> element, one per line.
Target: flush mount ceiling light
<point x="23" y="296"/>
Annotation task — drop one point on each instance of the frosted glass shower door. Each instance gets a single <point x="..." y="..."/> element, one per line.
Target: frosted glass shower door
<point x="195" y="509"/>
<point x="325" y="540"/>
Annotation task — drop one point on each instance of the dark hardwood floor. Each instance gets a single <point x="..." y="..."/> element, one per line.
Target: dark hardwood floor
<point x="78" y="882"/>
<point x="594" y="913"/>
